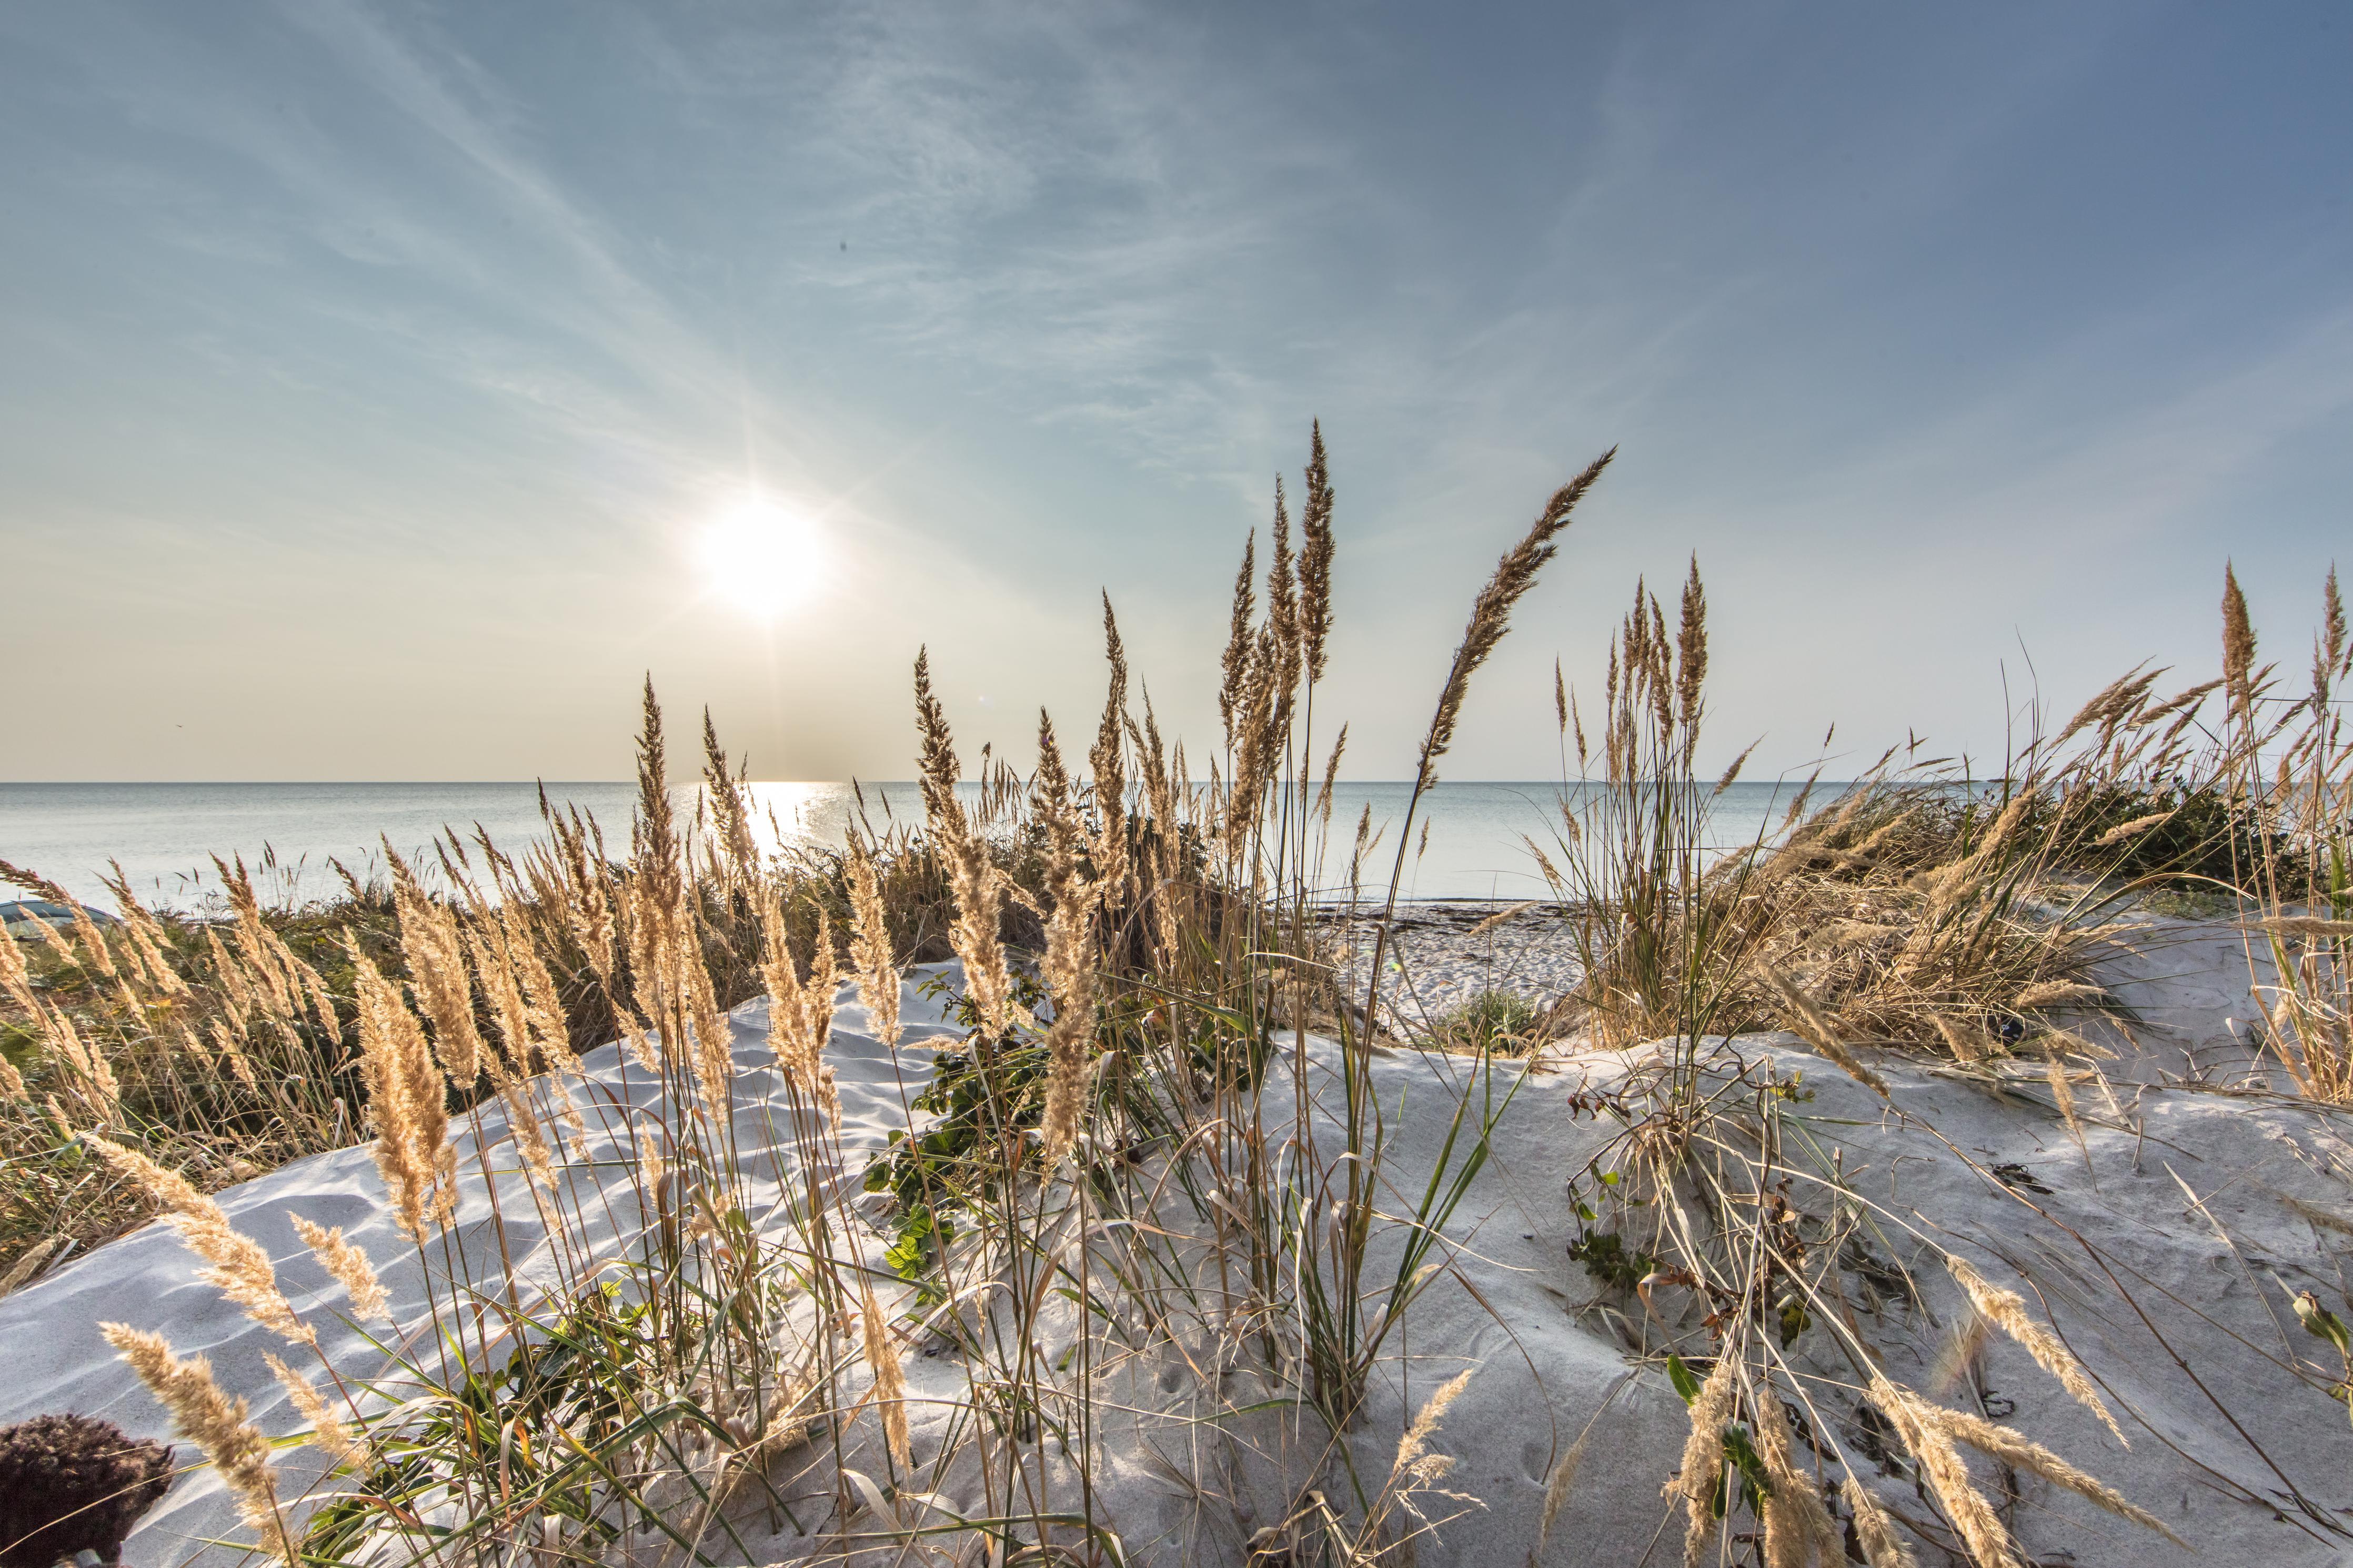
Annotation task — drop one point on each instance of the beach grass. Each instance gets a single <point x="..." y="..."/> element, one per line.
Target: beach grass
<point x="1131" y="1132"/>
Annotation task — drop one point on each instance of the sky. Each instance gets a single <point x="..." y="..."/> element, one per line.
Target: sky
<point x="372" y="376"/>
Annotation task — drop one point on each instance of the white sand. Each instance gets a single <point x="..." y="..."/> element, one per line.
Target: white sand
<point x="2225" y="1437"/>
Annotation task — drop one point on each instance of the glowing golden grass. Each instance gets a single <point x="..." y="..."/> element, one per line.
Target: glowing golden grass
<point x="216" y="1423"/>
<point x="348" y="1266"/>
<point x="235" y="1264"/>
<point x="1700" y="1472"/>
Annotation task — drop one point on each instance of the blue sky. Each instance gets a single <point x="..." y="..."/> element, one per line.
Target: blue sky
<point x="369" y="371"/>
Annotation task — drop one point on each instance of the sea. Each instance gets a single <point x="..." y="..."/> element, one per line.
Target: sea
<point x="165" y="835"/>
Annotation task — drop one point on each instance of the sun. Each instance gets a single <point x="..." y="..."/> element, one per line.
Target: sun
<point x="761" y="556"/>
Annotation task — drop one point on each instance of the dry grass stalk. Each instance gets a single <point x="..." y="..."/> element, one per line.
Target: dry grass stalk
<point x="1415" y="1441"/>
<point x="1108" y="764"/>
<point x="524" y="1128"/>
<point x="1966" y="1042"/>
<point x="1700" y="1471"/>
<point x="1941" y="1466"/>
<point x="1315" y="552"/>
<point x="890" y="1381"/>
<point x="979" y="890"/>
<point x="95" y="1084"/>
<point x="30" y="1264"/>
<point x="1232" y="690"/>
<point x="1815" y="1029"/>
<point x="800" y="1012"/>
<point x="1961" y="1348"/>
<point x="1799" y="1531"/>
<point x="2055" y="993"/>
<point x="1069" y="965"/>
<point x="429" y="941"/>
<point x="216" y="1423"/>
<point x="348" y="1266"/>
<point x="238" y="1266"/>
<point x="870" y="944"/>
<point x="2012" y="1449"/>
<point x="1882" y="1547"/>
<point x="1558" y="1485"/>
<point x="2064" y="1094"/>
<point x="2238" y="647"/>
<point x="407" y="1101"/>
<point x="2124" y="830"/>
<point x="713" y="1056"/>
<point x="2006" y="1309"/>
<point x="1491" y="614"/>
<point x="328" y="1430"/>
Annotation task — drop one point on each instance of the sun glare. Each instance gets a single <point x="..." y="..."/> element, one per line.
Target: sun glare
<point x="762" y="557"/>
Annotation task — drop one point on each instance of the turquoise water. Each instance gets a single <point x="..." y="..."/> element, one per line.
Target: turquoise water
<point x="164" y="833"/>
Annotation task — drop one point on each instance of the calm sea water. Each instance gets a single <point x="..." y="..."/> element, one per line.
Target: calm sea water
<point x="163" y="834"/>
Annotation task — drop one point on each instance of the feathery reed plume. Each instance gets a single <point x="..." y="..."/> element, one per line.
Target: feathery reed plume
<point x="1315" y="549"/>
<point x="1961" y="1348"/>
<point x="1697" y="1477"/>
<point x="870" y="944"/>
<point x="1331" y="774"/>
<point x="12" y="1082"/>
<point x="800" y="1012"/>
<point x="2062" y="1094"/>
<point x="890" y="1380"/>
<point x="437" y="967"/>
<point x="147" y="937"/>
<point x="2055" y="993"/>
<point x="85" y="929"/>
<point x="1817" y="1032"/>
<point x="2124" y="830"/>
<point x="1882" y="1547"/>
<point x="347" y="1264"/>
<point x="1799" y="1531"/>
<point x="1282" y="611"/>
<point x="1558" y="1485"/>
<point x="2331" y="656"/>
<point x="972" y="877"/>
<point x="2238" y="647"/>
<point x="1415" y="1441"/>
<point x="1069" y="965"/>
<point x="254" y="940"/>
<point x="238" y="1266"/>
<point x="95" y="1084"/>
<point x="2012" y="1449"/>
<point x="224" y="1044"/>
<point x="214" y="1423"/>
<point x="523" y="1127"/>
<point x="328" y="1430"/>
<point x="1691" y="649"/>
<point x="2006" y="1309"/>
<point x="16" y="979"/>
<point x="726" y="792"/>
<point x="1111" y="866"/>
<point x="1490" y="614"/>
<point x="652" y="1170"/>
<point x="714" y="1062"/>
<point x="1948" y="1475"/>
<point x="24" y="1268"/>
<point x="1235" y="664"/>
<point x="1968" y="1044"/>
<point x="407" y="1098"/>
<point x="494" y="972"/>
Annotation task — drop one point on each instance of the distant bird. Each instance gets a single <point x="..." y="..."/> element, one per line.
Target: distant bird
<point x="70" y="1484"/>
